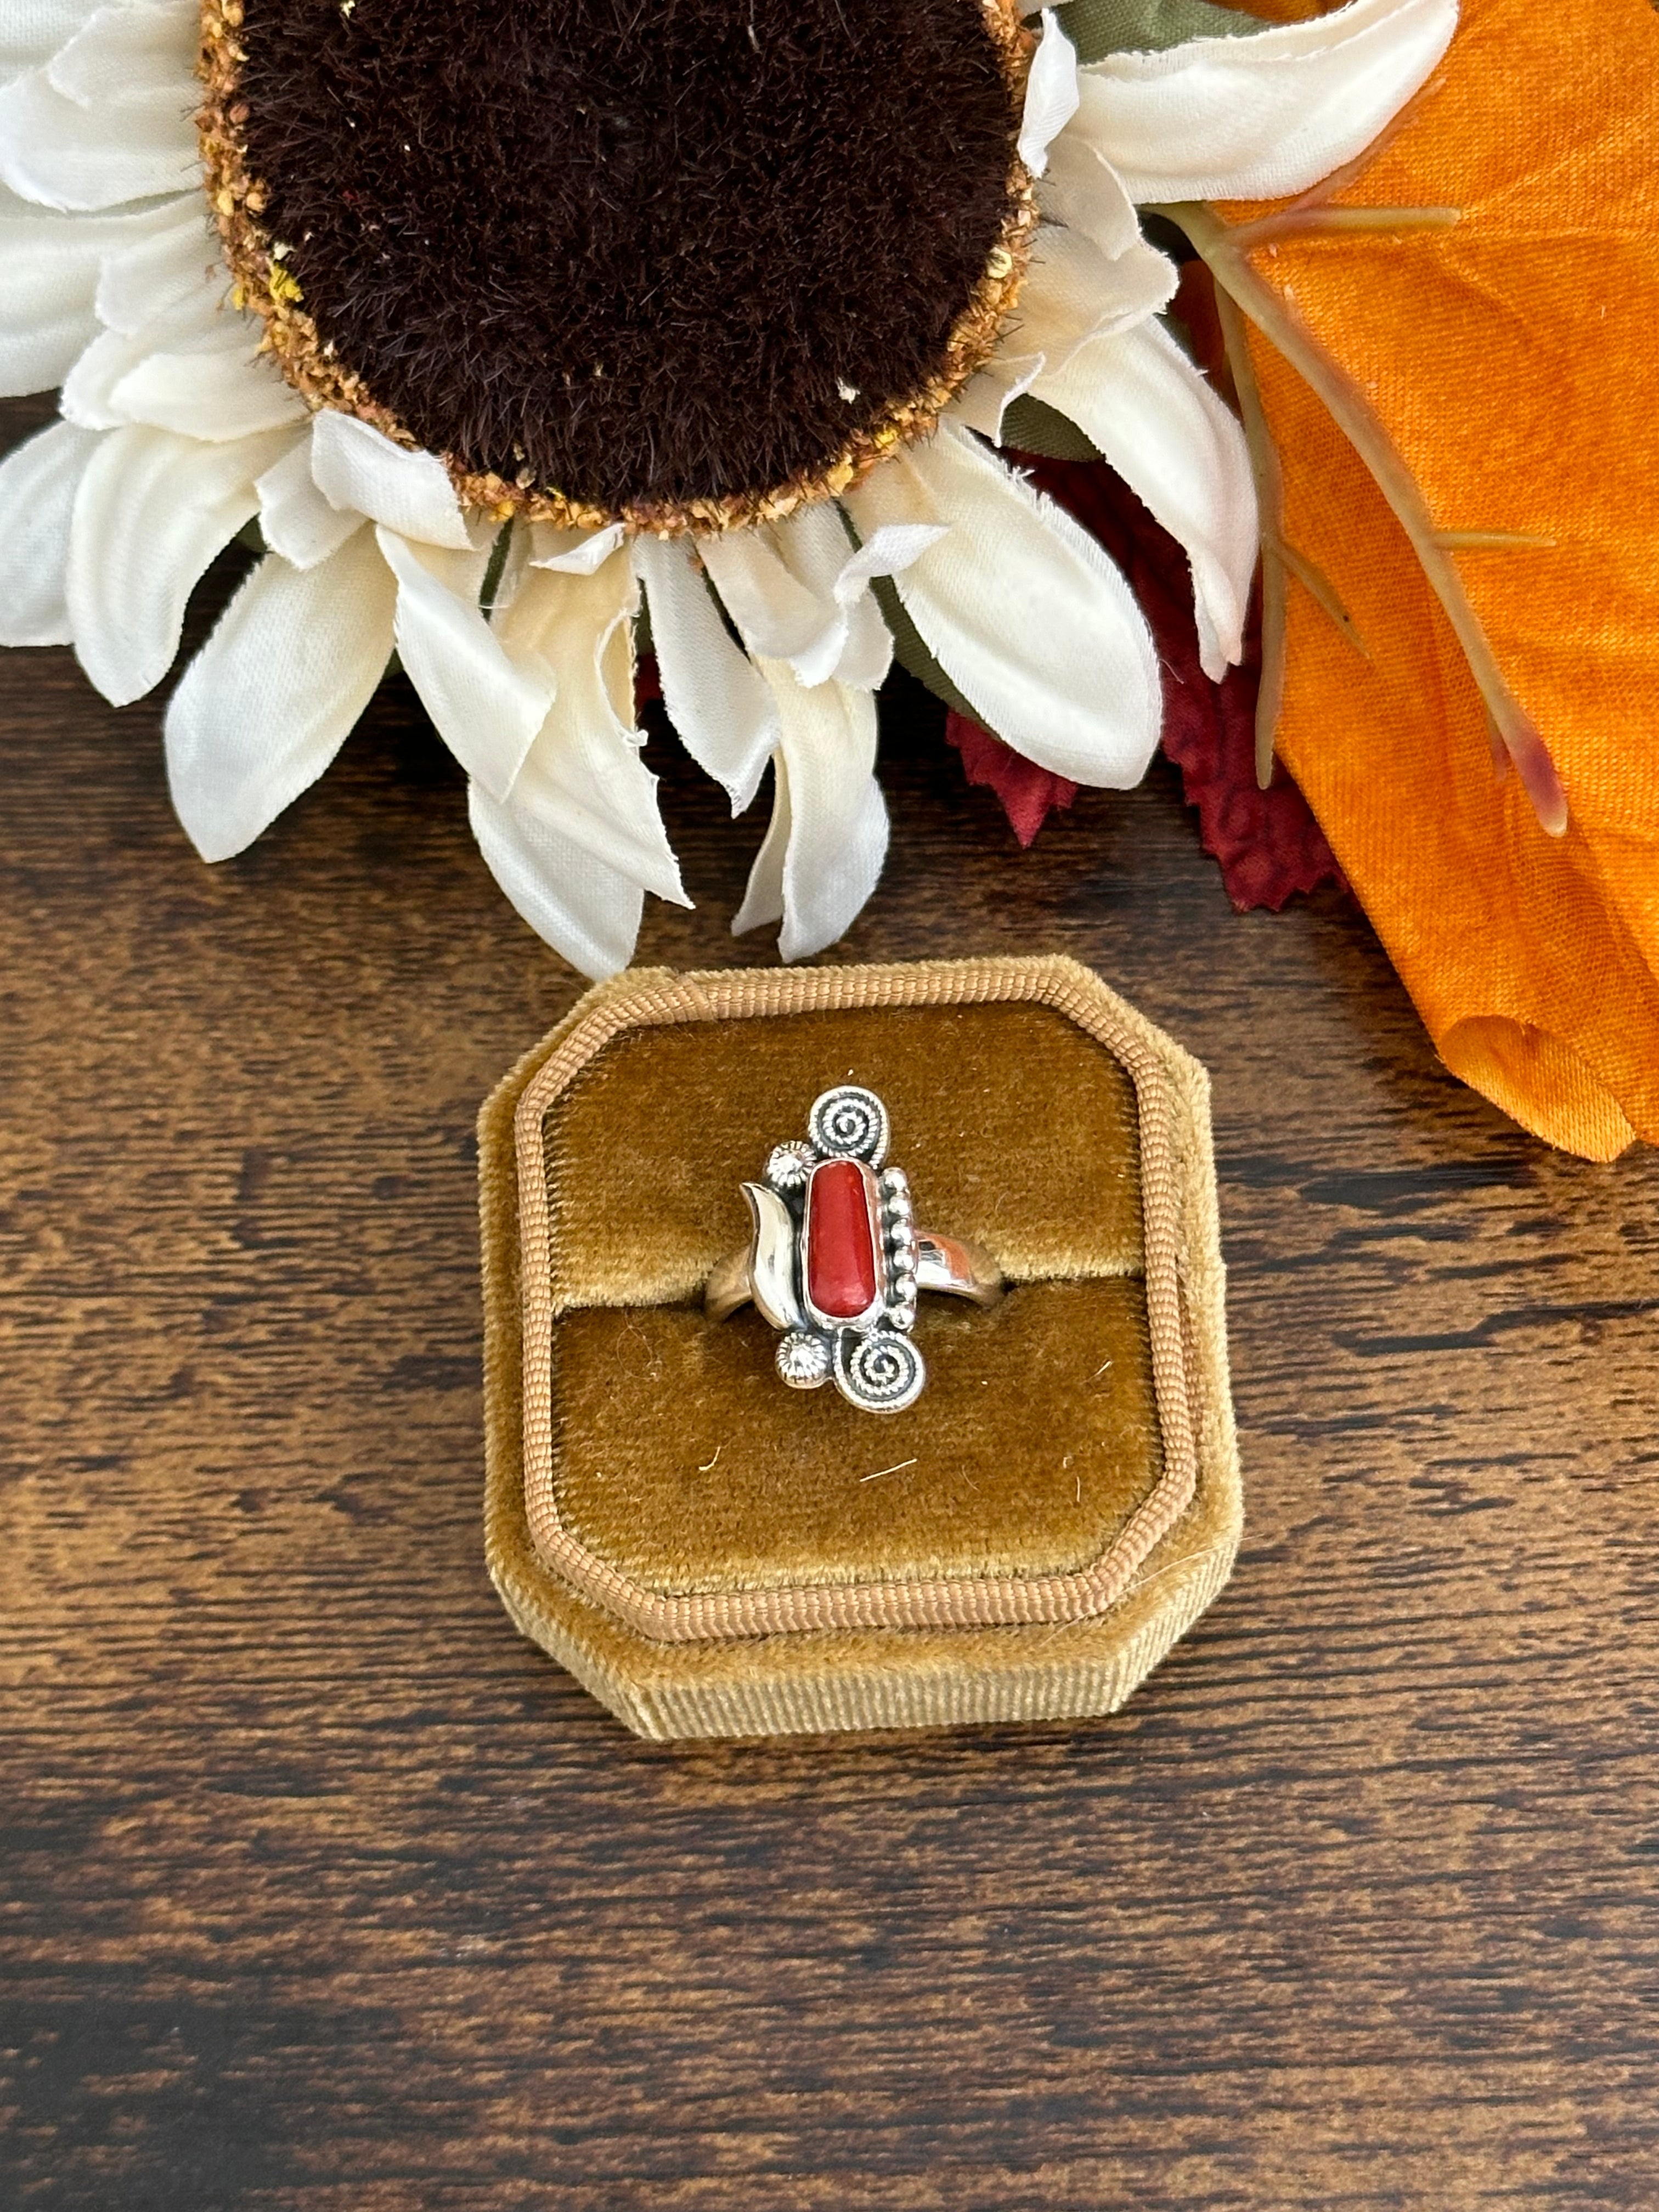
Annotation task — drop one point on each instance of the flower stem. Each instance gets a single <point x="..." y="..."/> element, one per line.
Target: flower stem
<point x="1270" y="505"/>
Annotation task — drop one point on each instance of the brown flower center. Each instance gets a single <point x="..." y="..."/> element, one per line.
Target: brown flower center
<point x="607" y="259"/>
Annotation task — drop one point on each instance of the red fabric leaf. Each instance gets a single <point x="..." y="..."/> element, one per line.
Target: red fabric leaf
<point x="1027" y="791"/>
<point x="1267" y="842"/>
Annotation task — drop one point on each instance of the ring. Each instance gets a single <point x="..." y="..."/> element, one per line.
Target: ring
<point x="836" y="1262"/>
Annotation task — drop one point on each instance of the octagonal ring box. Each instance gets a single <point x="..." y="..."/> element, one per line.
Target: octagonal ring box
<point x="712" y="1553"/>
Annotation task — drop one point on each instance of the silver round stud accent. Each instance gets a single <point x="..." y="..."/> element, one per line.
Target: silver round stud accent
<point x="803" y="1359"/>
<point x="788" y="1166"/>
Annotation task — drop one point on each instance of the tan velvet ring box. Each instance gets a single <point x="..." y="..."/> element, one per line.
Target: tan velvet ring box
<point x="712" y="1553"/>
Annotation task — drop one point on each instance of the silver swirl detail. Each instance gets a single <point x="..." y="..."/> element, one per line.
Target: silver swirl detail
<point x="879" y="1369"/>
<point x="850" y="1123"/>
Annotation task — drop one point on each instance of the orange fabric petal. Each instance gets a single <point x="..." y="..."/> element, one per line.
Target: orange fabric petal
<point x="1512" y="360"/>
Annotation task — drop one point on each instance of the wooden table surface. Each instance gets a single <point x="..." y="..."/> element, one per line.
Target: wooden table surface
<point x="323" y="1892"/>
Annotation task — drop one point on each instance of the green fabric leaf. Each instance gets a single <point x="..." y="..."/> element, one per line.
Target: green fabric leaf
<point x="492" y="580"/>
<point x="1099" y="27"/>
<point x="1032" y="426"/>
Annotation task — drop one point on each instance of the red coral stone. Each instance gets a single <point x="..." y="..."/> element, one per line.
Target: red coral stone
<point x="841" y="1245"/>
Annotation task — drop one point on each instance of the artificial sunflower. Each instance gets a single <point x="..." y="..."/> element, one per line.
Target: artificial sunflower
<point x="510" y="326"/>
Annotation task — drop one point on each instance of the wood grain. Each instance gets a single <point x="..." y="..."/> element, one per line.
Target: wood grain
<point x="324" y="1893"/>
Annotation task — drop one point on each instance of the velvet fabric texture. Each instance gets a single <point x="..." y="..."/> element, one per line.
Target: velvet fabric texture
<point x="678" y="1461"/>
<point x="1016" y="1129"/>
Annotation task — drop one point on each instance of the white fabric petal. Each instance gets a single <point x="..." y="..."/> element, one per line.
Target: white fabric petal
<point x="1051" y="94"/>
<point x="1072" y="293"/>
<point x="723" y="713"/>
<point x="173" y="259"/>
<point x="585" y="779"/>
<point x="762" y="897"/>
<point x="985" y="399"/>
<point x="820" y="552"/>
<point x="581" y="834"/>
<point x="88" y="391"/>
<point x="775" y="612"/>
<point x="485" y="705"/>
<point x="1022" y="611"/>
<point x="215" y="393"/>
<point x="846" y="637"/>
<point x="1084" y="191"/>
<point x="822" y="856"/>
<point x="49" y="320"/>
<point x="31" y="32"/>
<point x="1261" y="117"/>
<point x="62" y="151"/>
<point x="357" y="468"/>
<point x="573" y="552"/>
<point x="893" y="547"/>
<point x="813" y="544"/>
<point x="1180" y="447"/>
<point x="49" y="277"/>
<point x="137" y="53"/>
<point x="588" y="912"/>
<point x="854" y="645"/>
<point x="183" y="319"/>
<point x="152" y="510"/>
<point x="799" y="591"/>
<point x="866" y="652"/>
<point x="38" y="484"/>
<point x="297" y="520"/>
<point x="268" y="702"/>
